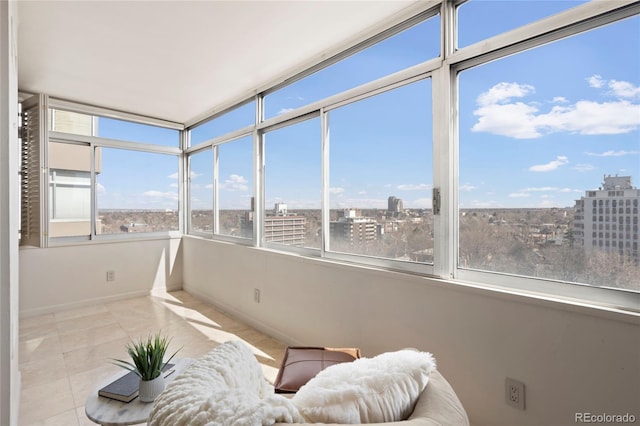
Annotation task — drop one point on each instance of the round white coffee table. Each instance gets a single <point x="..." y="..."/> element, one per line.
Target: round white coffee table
<point x="109" y="412"/>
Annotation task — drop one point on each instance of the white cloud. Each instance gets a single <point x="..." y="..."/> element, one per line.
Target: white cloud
<point x="541" y="189"/>
<point x="208" y="186"/>
<point x="336" y="190"/>
<point x="502" y="92"/>
<point x="499" y="113"/>
<point x="613" y="153"/>
<point x="552" y="165"/>
<point x="595" y="81"/>
<point x="174" y="185"/>
<point x="467" y="187"/>
<point x="518" y="195"/>
<point x="414" y="187"/>
<point x="159" y="195"/>
<point x="624" y="89"/>
<point x="566" y="190"/>
<point x="284" y="110"/>
<point x="193" y="175"/>
<point x="362" y="192"/>
<point x="591" y="118"/>
<point x="584" y="167"/>
<point x="100" y="189"/>
<point x="513" y="120"/>
<point x="560" y="100"/>
<point x="549" y="189"/>
<point x="235" y="183"/>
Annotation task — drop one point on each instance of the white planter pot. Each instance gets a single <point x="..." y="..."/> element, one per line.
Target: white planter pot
<point x="150" y="389"/>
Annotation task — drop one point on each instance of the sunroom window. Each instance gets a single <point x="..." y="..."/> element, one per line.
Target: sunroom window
<point x="539" y="147"/>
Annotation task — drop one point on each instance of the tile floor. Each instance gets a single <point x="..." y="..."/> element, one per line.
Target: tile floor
<point x="64" y="354"/>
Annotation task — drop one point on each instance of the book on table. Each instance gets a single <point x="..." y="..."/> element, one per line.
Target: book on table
<point x="125" y="388"/>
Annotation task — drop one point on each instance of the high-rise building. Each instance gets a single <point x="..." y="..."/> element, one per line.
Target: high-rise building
<point x="607" y="218"/>
<point x="395" y="205"/>
<point x="279" y="227"/>
<point x="353" y="228"/>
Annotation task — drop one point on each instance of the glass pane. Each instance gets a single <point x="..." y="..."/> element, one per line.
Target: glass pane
<point x="235" y="119"/>
<point x="201" y="191"/>
<point x="381" y="175"/>
<point x="534" y="140"/>
<point x="235" y="188"/>
<point x="481" y="19"/>
<point x="69" y="190"/>
<point x="409" y="47"/>
<point x="137" y="192"/>
<point x="71" y="122"/>
<point x="136" y="132"/>
<point x="69" y="203"/>
<point x="293" y="185"/>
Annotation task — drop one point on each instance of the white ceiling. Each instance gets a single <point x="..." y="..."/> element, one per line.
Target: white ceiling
<point x="179" y="60"/>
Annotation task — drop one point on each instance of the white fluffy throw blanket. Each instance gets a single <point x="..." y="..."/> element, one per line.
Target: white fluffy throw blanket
<point x="225" y="387"/>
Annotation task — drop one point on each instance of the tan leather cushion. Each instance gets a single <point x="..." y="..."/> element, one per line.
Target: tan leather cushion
<point x="301" y="364"/>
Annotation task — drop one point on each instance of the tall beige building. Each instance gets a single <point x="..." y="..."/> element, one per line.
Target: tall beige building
<point x="279" y="227"/>
<point x="607" y="218"/>
<point x="354" y="228"/>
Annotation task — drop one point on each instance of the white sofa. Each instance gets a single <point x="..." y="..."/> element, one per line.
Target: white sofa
<point x="438" y="405"/>
<point x="227" y="387"/>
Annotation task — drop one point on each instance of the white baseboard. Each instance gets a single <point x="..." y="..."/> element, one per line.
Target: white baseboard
<point x="82" y="303"/>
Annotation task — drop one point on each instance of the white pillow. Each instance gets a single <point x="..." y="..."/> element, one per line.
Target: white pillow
<point x="384" y="388"/>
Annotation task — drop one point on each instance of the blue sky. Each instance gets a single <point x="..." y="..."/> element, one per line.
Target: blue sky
<point x="537" y="129"/>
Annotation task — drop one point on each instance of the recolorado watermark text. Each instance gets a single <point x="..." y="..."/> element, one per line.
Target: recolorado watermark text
<point x="604" y="418"/>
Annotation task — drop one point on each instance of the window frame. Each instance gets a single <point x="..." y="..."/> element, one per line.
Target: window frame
<point x="258" y="224"/>
<point x="569" y="23"/>
<point x="95" y="142"/>
<point x="213" y="144"/>
<point x="444" y="72"/>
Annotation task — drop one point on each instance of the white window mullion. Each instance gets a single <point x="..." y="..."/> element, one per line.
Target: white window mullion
<point x="258" y="174"/>
<point x="94" y="193"/>
<point x="184" y="174"/>
<point x="216" y="187"/>
<point x="324" y="203"/>
<point x="444" y="152"/>
<point x="444" y="176"/>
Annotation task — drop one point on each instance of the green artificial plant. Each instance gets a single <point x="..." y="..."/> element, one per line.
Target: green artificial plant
<point x="147" y="356"/>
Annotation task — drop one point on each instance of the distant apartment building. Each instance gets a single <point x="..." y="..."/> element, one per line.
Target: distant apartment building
<point x="607" y="218"/>
<point x="279" y="227"/>
<point x="135" y="227"/>
<point x="394" y="205"/>
<point x="354" y="228"/>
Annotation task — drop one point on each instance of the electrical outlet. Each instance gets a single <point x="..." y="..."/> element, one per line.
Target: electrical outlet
<point x="514" y="392"/>
<point x="256" y="295"/>
<point x="111" y="275"/>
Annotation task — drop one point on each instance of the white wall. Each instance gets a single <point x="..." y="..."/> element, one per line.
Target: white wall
<point x="58" y="278"/>
<point x="571" y="359"/>
<point x="9" y="210"/>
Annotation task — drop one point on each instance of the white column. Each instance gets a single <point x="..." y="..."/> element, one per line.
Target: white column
<point x="9" y="211"/>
